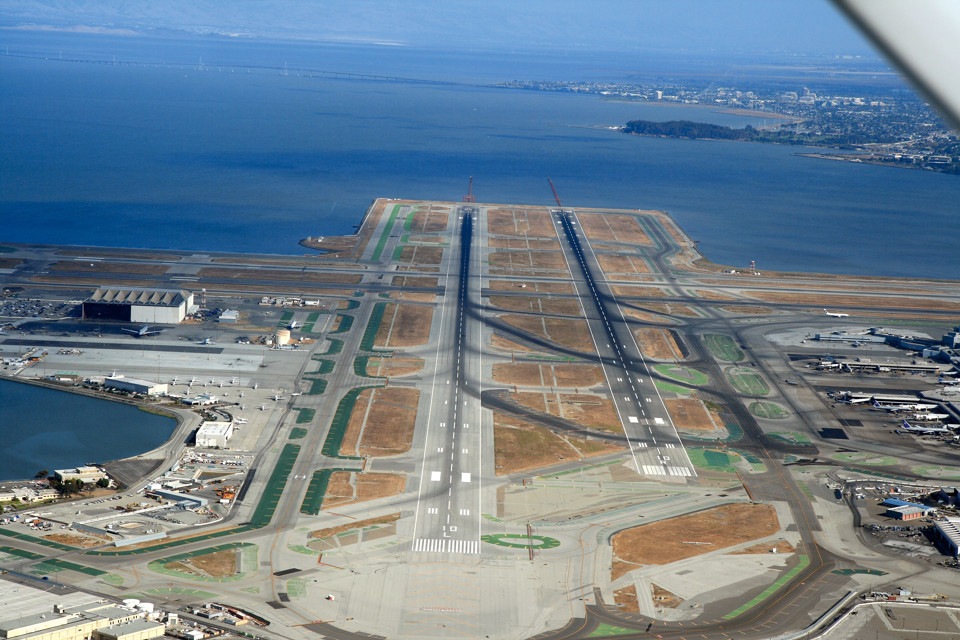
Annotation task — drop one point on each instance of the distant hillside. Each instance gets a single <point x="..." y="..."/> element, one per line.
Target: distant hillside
<point x="706" y="131"/>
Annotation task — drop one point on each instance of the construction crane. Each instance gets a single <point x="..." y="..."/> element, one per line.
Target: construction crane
<point x="555" y="196"/>
<point x="470" y="197"/>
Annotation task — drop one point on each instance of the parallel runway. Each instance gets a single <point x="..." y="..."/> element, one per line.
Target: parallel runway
<point x="652" y="437"/>
<point x="448" y="505"/>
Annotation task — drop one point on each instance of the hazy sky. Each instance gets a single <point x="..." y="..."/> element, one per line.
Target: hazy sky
<point x="696" y="26"/>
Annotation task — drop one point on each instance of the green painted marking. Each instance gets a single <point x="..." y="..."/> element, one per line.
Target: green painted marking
<point x="317" y="386"/>
<point x="324" y="366"/>
<point x="747" y="382"/>
<point x="299" y="548"/>
<point x="338" y="426"/>
<point x="850" y="572"/>
<point x="793" y="437"/>
<point x="62" y="565"/>
<point x="723" y="347"/>
<point x="336" y="346"/>
<point x="275" y="486"/>
<point x="113" y="579"/>
<point x="297" y="433"/>
<point x="346" y="323"/>
<point x="524" y="541"/>
<point x="682" y="374"/>
<point x="21" y="553"/>
<point x="769" y="591"/>
<point x="370" y="333"/>
<point x="604" y="629"/>
<point x="360" y="364"/>
<point x="297" y="587"/>
<point x="386" y="234"/>
<point x="673" y="388"/>
<point x="398" y="251"/>
<point x="178" y="591"/>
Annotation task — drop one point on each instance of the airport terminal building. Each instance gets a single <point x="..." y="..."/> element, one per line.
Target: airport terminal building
<point x="149" y="306"/>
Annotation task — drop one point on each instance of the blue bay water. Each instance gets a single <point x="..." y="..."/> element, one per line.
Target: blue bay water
<point x="50" y="429"/>
<point x="170" y="156"/>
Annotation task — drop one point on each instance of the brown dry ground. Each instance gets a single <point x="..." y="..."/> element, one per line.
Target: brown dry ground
<point x="626" y="599"/>
<point x="356" y="524"/>
<point x="10" y="263"/>
<point x="279" y="274"/>
<point x="498" y="341"/>
<point x="415" y="281"/>
<point x="350" y="486"/>
<point x="840" y="302"/>
<point x="520" y="222"/>
<point x="662" y="542"/>
<point x="782" y="546"/>
<point x="565" y="332"/>
<point x="381" y="423"/>
<point x="537" y="244"/>
<point x="220" y="564"/>
<point x="96" y="281"/>
<point x="644" y="316"/>
<point x="521" y="259"/>
<point x="747" y="309"/>
<point x="557" y="306"/>
<point x="520" y="445"/>
<point x="657" y="343"/>
<point x="390" y="367"/>
<point x="336" y="323"/>
<point x="587" y="410"/>
<point x="638" y="292"/>
<point x="404" y="325"/>
<point x="536" y="287"/>
<point x="76" y="540"/>
<point x="430" y="219"/>
<point x="122" y="254"/>
<point x="547" y="375"/>
<point x="613" y="227"/>
<point x="689" y="413"/>
<point x="707" y="294"/>
<point x="621" y="263"/>
<point x="417" y="254"/>
<point x="664" y="598"/>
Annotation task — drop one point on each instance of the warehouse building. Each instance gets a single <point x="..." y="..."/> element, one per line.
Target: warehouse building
<point x="79" y="622"/>
<point x="135" y="385"/>
<point x="150" y="306"/>
<point x="903" y="510"/>
<point x="214" y="435"/>
<point x="86" y="475"/>
<point x="948" y="532"/>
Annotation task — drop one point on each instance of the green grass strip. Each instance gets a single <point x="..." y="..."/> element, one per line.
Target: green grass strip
<point x="317" y="386"/>
<point x="35" y="540"/>
<point x="297" y="433"/>
<point x="682" y="374"/>
<point x="769" y="591"/>
<point x="21" y="553"/>
<point x="747" y="381"/>
<point x="263" y="514"/>
<point x="673" y="388"/>
<point x="324" y="366"/>
<point x="398" y="251"/>
<point x="370" y="333"/>
<point x="386" y="234"/>
<point x="723" y="347"/>
<point x="360" y="364"/>
<point x="346" y="323"/>
<point x="305" y="415"/>
<point x="336" y="346"/>
<point x="64" y="564"/>
<point x="338" y="426"/>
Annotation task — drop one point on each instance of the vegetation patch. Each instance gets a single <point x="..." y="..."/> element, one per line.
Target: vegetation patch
<point x="304" y="415"/>
<point x="723" y="347"/>
<point x="747" y="381"/>
<point x="769" y="410"/>
<point x="682" y="374"/>
<point x="350" y="486"/>
<point x="297" y="433"/>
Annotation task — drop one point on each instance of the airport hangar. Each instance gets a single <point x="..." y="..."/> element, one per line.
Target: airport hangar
<point x="148" y="306"/>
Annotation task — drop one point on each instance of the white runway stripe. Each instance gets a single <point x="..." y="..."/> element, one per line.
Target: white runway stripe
<point x="446" y="545"/>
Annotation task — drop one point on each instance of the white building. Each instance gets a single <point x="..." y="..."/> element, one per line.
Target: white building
<point x="86" y="475"/>
<point x="214" y="435"/>
<point x="150" y="306"/>
<point x="136" y="385"/>
<point x="948" y="532"/>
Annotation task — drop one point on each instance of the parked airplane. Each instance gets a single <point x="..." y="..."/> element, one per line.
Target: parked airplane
<point x="836" y="315"/>
<point x="858" y="401"/>
<point x="277" y="397"/>
<point x="143" y="331"/>
<point x="263" y="407"/>
<point x="895" y="408"/>
<point x="207" y="341"/>
<point x="241" y="420"/>
<point x="930" y="416"/>
<point x="292" y="325"/>
<point x="192" y="380"/>
<point x="297" y="393"/>
<point x="923" y="430"/>
<point x="175" y="378"/>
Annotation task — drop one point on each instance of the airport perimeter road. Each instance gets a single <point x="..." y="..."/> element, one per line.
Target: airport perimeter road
<point x="652" y="437"/>
<point x="448" y="504"/>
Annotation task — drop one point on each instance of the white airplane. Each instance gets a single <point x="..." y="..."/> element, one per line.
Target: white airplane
<point x="277" y="397"/>
<point x="206" y="341"/>
<point x="292" y="325"/>
<point x="924" y="417"/>
<point x="192" y="380"/>
<point x="220" y="385"/>
<point x="263" y="407"/>
<point x="836" y="315"/>
<point x="923" y="430"/>
<point x="233" y="380"/>
<point x="143" y="331"/>
<point x="241" y="394"/>
<point x="241" y="420"/>
<point x="857" y="401"/>
<point x="297" y="393"/>
<point x="254" y="385"/>
<point x="175" y="378"/>
<point x="242" y="407"/>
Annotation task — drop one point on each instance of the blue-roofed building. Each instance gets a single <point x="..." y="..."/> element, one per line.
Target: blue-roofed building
<point x="903" y="510"/>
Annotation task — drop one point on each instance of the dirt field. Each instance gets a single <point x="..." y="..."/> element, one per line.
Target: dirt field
<point x="689" y="413"/>
<point x="10" y="263"/>
<point x="747" y="309"/>
<point x="621" y="263"/>
<point x="349" y="486"/>
<point x="110" y="267"/>
<point x="520" y="222"/>
<point x="591" y="411"/>
<point x="537" y="244"/>
<point x="626" y="599"/>
<point x="220" y="564"/>
<point x="622" y="291"/>
<point x="568" y="333"/>
<point x="404" y="325"/>
<point x="520" y="445"/>
<point x="664" y="598"/>
<point x="415" y="281"/>
<point x="95" y="280"/>
<point x="430" y="219"/>
<point x="535" y="287"/>
<point x="393" y="366"/>
<point x="558" y="306"/>
<point x="782" y="546"/>
<point x="381" y="423"/>
<point x="645" y="316"/>
<point x="505" y="344"/>
<point x="520" y="259"/>
<point x="664" y="542"/>
<point x="76" y="540"/>
<point x="356" y="524"/>
<point x="420" y="255"/>
<point x="548" y="375"/>
<point x="707" y="294"/>
<point x="613" y="227"/>
<point x="278" y="274"/>
<point x="657" y="343"/>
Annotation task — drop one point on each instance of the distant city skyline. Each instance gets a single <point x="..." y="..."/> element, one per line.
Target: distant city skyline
<point x="691" y="27"/>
